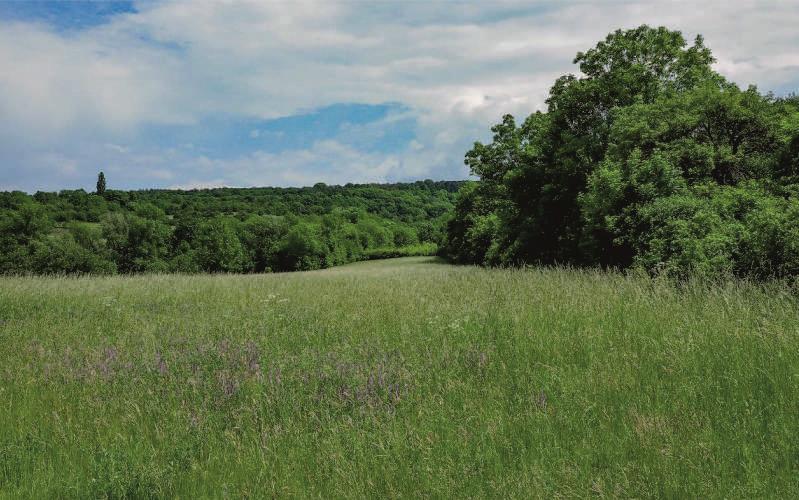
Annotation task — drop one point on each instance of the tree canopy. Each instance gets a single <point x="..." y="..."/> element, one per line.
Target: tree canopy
<point x="649" y="158"/>
<point x="100" y="189"/>
<point x="220" y="230"/>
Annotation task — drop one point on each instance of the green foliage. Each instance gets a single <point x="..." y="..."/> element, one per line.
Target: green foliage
<point x="720" y="230"/>
<point x="136" y="244"/>
<point x="404" y="236"/>
<point x="261" y="236"/>
<point x="100" y="190"/>
<point x="62" y="253"/>
<point x="418" y="250"/>
<point x="221" y="230"/>
<point x="302" y="248"/>
<point x="649" y="159"/>
<point x="473" y="230"/>
<point x="20" y="227"/>
<point x="218" y="246"/>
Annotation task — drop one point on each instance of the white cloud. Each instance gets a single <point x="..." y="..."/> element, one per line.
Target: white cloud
<point x="326" y="161"/>
<point x="117" y="148"/>
<point x="54" y="85"/>
<point x="195" y="184"/>
<point x="457" y="67"/>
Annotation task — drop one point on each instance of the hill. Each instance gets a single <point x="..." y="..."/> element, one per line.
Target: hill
<point x="220" y="230"/>
<point x="405" y="377"/>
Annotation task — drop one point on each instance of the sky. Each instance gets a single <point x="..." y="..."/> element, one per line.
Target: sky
<point x="195" y="94"/>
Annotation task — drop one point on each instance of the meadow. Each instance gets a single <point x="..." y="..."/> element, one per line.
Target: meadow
<point x="397" y="378"/>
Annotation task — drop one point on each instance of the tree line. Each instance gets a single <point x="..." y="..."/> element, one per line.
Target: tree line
<point x="649" y="158"/>
<point x="219" y="230"/>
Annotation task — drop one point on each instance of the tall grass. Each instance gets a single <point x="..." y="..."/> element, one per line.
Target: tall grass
<point x="425" y="249"/>
<point x="394" y="378"/>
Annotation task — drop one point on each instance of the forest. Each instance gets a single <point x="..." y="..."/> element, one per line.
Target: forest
<point x="648" y="159"/>
<point x="219" y="230"/>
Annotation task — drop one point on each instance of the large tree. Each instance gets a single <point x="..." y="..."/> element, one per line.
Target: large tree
<point x="647" y="119"/>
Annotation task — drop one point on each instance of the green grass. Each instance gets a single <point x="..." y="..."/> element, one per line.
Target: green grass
<point x="405" y="377"/>
<point x="425" y="249"/>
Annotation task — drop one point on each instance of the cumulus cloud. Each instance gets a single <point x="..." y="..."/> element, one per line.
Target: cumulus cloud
<point x="74" y="102"/>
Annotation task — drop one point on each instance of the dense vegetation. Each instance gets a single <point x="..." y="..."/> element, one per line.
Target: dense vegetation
<point x="219" y="230"/>
<point x="397" y="378"/>
<point x="649" y="158"/>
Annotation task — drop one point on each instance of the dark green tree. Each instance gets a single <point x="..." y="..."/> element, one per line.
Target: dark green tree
<point x="649" y="158"/>
<point x="218" y="246"/>
<point x="302" y="248"/>
<point x="135" y="243"/>
<point x="101" y="184"/>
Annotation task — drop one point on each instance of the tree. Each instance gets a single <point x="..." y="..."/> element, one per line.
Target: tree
<point x="101" y="184"/>
<point x="19" y="229"/>
<point x="136" y="244"/>
<point x="650" y="158"/>
<point x="235" y="230"/>
<point x="218" y="246"/>
<point x="302" y="248"/>
<point x="261" y="236"/>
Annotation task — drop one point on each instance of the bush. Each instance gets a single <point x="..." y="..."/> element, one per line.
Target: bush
<point x="302" y="249"/>
<point x="61" y="253"/>
<point x="136" y="244"/>
<point x="218" y="248"/>
<point x="419" y="250"/>
<point x="720" y="231"/>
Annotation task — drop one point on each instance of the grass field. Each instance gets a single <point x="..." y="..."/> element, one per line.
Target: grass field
<point x="397" y="378"/>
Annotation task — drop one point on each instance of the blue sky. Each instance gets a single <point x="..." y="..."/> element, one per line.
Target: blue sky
<point x="193" y="94"/>
<point x="64" y="15"/>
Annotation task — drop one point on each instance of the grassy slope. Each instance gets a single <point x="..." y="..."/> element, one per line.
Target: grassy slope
<point x="399" y="377"/>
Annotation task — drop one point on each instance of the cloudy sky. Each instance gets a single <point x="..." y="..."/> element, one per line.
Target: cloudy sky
<point x="206" y="93"/>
